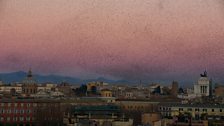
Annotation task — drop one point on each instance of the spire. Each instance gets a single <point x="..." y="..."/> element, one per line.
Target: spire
<point x="29" y="74"/>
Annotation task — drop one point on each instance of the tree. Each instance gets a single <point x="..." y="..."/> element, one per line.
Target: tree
<point x="204" y="116"/>
<point x="81" y="91"/>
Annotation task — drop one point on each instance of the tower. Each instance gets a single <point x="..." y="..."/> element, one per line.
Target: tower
<point x="29" y="74"/>
<point x="174" y="90"/>
<point x="210" y="88"/>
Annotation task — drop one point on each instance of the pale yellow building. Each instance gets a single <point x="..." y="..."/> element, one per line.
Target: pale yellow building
<point x="7" y="89"/>
<point x="150" y="118"/>
<point x="138" y="105"/>
<point x="96" y="86"/>
<point x="106" y="93"/>
<point x="197" y="111"/>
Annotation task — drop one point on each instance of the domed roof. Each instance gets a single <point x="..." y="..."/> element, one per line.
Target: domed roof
<point x="29" y="79"/>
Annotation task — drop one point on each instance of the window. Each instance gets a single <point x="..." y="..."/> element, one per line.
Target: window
<point x="27" y="118"/>
<point x="204" y="110"/>
<point x="21" y="104"/>
<point x="189" y="109"/>
<point x="9" y="104"/>
<point x="169" y="114"/>
<point x="8" y="118"/>
<point x="9" y="111"/>
<point x="21" y="111"/>
<point x="2" y="119"/>
<point x="15" y="104"/>
<point x="220" y="110"/>
<point x="28" y="105"/>
<point x="21" y="118"/>
<point x="35" y="104"/>
<point x="213" y="110"/>
<point x="2" y="104"/>
<point x="14" y="118"/>
<point x="181" y="109"/>
<point x="197" y="109"/>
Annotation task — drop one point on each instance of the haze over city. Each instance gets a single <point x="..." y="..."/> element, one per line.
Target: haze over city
<point x="149" y="40"/>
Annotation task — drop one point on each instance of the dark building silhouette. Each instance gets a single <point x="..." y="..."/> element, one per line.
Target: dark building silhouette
<point x="174" y="90"/>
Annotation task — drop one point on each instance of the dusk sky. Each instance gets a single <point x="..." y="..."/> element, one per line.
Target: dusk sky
<point x="151" y="40"/>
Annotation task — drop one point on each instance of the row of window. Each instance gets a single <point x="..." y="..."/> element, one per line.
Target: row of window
<point x="189" y="109"/>
<point x="166" y="114"/>
<point x="134" y="107"/>
<point x="198" y="110"/>
<point x="15" y="111"/>
<point x="18" y="104"/>
<point x="29" y="90"/>
<point x="9" y="119"/>
<point x="165" y="108"/>
<point x="108" y="94"/>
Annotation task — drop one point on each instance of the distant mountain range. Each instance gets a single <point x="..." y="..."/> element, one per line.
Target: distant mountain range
<point x="21" y="75"/>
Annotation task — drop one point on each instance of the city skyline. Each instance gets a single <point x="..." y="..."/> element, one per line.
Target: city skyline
<point x="137" y="40"/>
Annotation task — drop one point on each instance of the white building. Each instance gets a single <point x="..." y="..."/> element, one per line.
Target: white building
<point x="202" y="87"/>
<point x="46" y="87"/>
<point x="8" y="88"/>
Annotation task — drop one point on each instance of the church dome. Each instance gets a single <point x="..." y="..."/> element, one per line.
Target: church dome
<point x="29" y="79"/>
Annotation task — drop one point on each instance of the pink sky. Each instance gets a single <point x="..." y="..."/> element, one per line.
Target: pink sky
<point x="124" y="39"/>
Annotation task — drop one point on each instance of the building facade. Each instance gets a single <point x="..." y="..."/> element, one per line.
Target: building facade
<point x="196" y="111"/>
<point x="101" y="115"/>
<point x="219" y="91"/>
<point x="17" y="112"/>
<point x="203" y="86"/>
<point x="30" y="112"/>
<point x="106" y="93"/>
